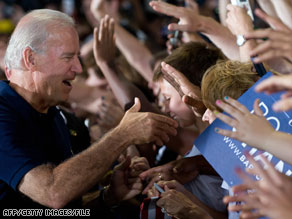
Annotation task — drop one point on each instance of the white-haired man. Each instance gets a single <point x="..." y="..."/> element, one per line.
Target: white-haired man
<point x="36" y="163"/>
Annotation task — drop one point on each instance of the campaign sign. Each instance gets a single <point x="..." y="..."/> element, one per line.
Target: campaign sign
<point x="225" y="154"/>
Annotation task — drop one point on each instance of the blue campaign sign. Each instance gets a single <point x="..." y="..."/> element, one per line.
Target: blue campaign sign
<point x="225" y="154"/>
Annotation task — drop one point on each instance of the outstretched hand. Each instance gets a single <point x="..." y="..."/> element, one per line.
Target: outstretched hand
<point x="142" y="128"/>
<point x="191" y="94"/>
<point x="252" y="129"/>
<point x="257" y="202"/>
<point x="104" y="42"/>
<point x="276" y="84"/>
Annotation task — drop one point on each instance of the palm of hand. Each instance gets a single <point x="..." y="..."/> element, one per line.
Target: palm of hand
<point x="180" y="82"/>
<point x="104" y="43"/>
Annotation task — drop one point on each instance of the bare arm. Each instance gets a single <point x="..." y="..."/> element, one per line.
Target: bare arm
<point x="104" y="53"/>
<point x="137" y="54"/>
<point x="222" y="10"/>
<point x="240" y="23"/>
<point x="221" y="37"/>
<point x="56" y="186"/>
<point x="124" y="90"/>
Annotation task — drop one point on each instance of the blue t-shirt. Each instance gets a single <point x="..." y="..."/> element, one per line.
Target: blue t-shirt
<point x="27" y="139"/>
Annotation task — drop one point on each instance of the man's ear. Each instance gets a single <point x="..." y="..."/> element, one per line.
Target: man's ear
<point x="28" y="58"/>
<point x="7" y="72"/>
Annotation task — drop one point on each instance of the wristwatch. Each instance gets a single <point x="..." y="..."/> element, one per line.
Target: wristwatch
<point x="240" y="41"/>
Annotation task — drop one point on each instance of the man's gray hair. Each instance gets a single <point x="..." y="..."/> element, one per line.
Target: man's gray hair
<point x="32" y="31"/>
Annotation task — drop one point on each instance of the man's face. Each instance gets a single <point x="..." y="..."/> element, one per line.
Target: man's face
<point x="57" y="66"/>
<point x="175" y="106"/>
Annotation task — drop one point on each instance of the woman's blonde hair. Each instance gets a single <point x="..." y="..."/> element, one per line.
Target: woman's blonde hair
<point x="226" y="78"/>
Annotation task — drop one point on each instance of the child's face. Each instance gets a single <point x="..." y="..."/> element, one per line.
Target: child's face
<point x="175" y="106"/>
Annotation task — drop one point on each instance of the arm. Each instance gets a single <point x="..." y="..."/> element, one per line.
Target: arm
<point x="56" y="186"/>
<point x="240" y="23"/>
<point x="222" y="11"/>
<point x="104" y="53"/>
<point x="125" y="91"/>
<point x="188" y="36"/>
<point x="137" y="54"/>
<point x="221" y="37"/>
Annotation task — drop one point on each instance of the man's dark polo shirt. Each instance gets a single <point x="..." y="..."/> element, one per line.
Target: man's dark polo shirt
<point x="27" y="139"/>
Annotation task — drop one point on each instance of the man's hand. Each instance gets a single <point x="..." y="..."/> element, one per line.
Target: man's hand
<point x="141" y="128"/>
<point x="190" y="93"/>
<point x="104" y="44"/>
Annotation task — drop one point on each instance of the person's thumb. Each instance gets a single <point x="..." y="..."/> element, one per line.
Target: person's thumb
<point x="136" y="107"/>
